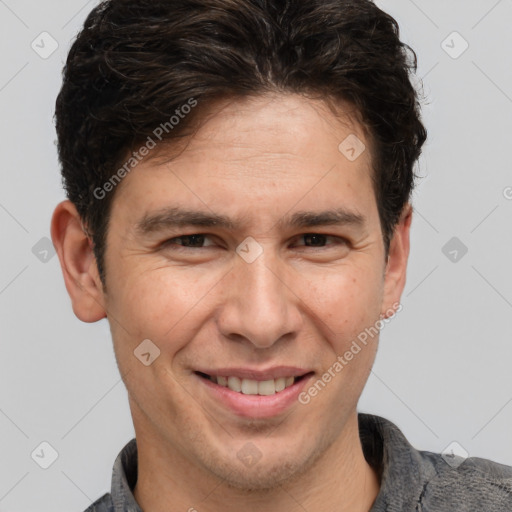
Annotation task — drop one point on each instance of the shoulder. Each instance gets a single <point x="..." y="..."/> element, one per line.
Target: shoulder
<point x="425" y="481"/>
<point x="467" y="484"/>
<point x="103" y="504"/>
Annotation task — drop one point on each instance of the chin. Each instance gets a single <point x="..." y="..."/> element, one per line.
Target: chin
<point x="271" y="472"/>
<point x="253" y="480"/>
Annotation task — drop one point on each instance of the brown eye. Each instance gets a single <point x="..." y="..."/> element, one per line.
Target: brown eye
<point x="195" y="241"/>
<point x="315" y="240"/>
<point x="319" y="240"/>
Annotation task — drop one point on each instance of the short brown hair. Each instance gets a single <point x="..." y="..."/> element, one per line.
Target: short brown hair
<point x="135" y="62"/>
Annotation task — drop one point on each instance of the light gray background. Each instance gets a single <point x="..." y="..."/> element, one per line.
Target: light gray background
<point x="443" y="369"/>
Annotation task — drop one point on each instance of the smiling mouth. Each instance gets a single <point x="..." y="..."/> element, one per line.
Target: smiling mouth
<point x="253" y="387"/>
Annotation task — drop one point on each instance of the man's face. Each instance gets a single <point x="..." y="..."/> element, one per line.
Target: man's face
<point x="293" y="295"/>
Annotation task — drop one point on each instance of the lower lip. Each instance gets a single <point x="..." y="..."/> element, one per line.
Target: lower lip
<point x="256" y="406"/>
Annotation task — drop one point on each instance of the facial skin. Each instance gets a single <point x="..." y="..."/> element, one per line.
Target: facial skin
<point x="300" y="303"/>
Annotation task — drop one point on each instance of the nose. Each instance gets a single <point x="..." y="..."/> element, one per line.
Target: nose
<point x="259" y="306"/>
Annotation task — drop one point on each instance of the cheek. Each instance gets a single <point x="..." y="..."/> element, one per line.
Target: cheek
<point x="157" y="303"/>
<point x="345" y="300"/>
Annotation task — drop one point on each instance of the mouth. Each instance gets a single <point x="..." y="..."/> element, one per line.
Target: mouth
<point x="251" y="386"/>
<point x="250" y="398"/>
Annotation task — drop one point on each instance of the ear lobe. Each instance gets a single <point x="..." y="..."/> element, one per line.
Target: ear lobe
<point x="396" y="266"/>
<point x="78" y="263"/>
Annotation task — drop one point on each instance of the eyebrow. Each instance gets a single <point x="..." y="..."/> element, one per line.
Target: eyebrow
<point x="167" y="218"/>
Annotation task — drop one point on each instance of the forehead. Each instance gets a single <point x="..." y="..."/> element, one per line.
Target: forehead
<point x="274" y="152"/>
<point x="274" y="124"/>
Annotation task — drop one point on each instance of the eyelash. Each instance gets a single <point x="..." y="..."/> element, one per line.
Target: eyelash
<point x="170" y="242"/>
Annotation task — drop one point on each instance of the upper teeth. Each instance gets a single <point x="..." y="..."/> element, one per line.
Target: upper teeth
<point x="254" y="387"/>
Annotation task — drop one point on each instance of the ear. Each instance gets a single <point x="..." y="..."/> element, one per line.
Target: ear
<point x="78" y="263"/>
<point x="396" y="266"/>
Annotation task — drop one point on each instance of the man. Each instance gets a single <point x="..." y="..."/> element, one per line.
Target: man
<point x="239" y="175"/>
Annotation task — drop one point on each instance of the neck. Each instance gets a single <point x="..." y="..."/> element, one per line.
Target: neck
<point x="338" y="480"/>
